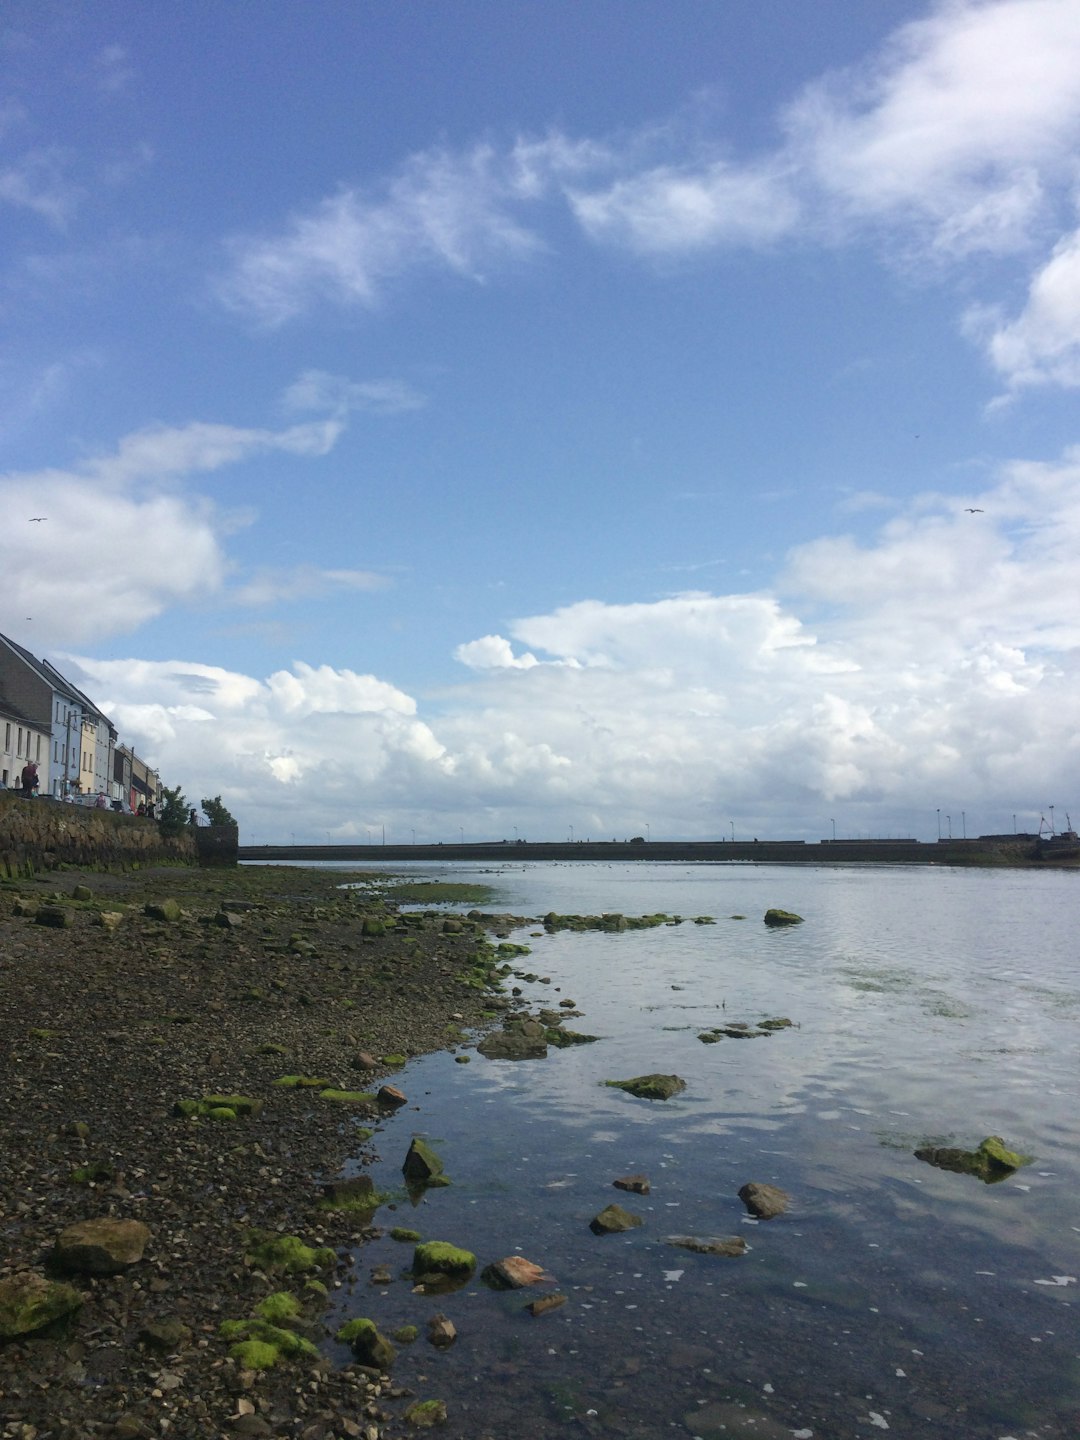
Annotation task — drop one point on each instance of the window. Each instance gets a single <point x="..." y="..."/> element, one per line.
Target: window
<point x="56" y="752"/>
<point x="7" y="736"/>
<point x="18" y="748"/>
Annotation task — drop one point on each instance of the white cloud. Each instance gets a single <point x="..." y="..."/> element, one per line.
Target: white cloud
<point x="935" y="664"/>
<point x="40" y="181"/>
<point x="670" y="211"/>
<point x="273" y="587"/>
<point x="1042" y="345"/>
<point x="319" y="390"/>
<point x="120" y="540"/>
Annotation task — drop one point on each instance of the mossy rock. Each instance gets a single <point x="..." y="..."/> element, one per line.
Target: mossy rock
<point x="650" y="1087"/>
<point x="348" y="1097"/>
<point x="781" y="917"/>
<point x="396" y="1061"/>
<point x="167" y="910"/>
<point x="406" y="1334"/>
<point x="426" y="1414"/>
<point x="29" y="1302"/>
<point x="280" y="1308"/>
<point x="404" y="1236"/>
<point x="304" y="1082"/>
<point x="368" y="1345"/>
<point x="563" y="1039"/>
<point x="422" y="1166"/>
<point x="991" y="1163"/>
<point x="255" y="1355"/>
<point x="92" y="1174"/>
<point x="438" y="1257"/>
<point x="287" y="1254"/>
<point x="54" y="916"/>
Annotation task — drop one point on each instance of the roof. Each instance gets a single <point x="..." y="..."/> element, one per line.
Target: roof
<point x="53" y="678"/>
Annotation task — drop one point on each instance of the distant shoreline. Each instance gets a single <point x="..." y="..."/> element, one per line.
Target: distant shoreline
<point x="1012" y="851"/>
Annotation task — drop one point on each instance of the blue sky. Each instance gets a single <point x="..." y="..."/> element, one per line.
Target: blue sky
<point x="495" y="416"/>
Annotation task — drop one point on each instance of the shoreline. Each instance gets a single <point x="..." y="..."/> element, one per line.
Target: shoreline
<point x="104" y="1030"/>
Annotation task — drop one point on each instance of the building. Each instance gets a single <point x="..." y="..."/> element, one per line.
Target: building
<point x="138" y="784"/>
<point x="79" y="738"/>
<point x="21" y="740"/>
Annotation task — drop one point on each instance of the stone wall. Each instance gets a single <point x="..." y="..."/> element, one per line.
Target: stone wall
<point x="40" y="834"/>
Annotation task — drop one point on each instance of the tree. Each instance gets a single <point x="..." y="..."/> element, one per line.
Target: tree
<point x="174" y="811"/>
<point x="216" y="812"/>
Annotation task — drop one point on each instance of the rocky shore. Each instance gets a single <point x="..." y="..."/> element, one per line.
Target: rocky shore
<point x="126" y="1002"/>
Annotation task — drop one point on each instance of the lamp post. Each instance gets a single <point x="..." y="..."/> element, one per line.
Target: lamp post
<point x="939" y="822"/>
<point x="461" y="833"/>
<point x="413" y="834"/>
<point x="733" y="832"/>
<point x="571" y="834"/>
<point x="963" y="823"/>
<point x="648" y="833"/>
<point x="948" y="820"/>
<point x="1052" y="830"/>
<point x="834" y="829"/>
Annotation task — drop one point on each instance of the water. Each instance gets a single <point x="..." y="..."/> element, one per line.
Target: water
<point x="929" y="1006"/>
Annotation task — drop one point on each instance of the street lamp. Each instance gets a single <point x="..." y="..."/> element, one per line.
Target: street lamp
<point x="461" y="833"/>
<point x="939" y="822"/>
<point x="1052" y="830"/>
<point x="648" y="833"/>
<point x="834" y="829"/>
<point x="413" y="834"/>
<point x="733" y="832"/>
<point x="948" y="819"/>
<point x="571" y="834"/>
<point x="963" y="823"/>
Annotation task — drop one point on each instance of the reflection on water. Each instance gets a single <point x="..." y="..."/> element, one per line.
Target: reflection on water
<point x="930" y="1007"/>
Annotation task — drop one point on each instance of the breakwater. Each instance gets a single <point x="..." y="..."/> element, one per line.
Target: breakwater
<point x="1019" y="850"/>
<point x="41" y="834"/>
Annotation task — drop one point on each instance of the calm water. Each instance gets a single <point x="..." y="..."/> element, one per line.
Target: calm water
<point x="930" y="1005"/>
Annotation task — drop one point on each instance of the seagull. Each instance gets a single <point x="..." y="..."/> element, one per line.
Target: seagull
<point x="34" y="519"/>
<point x="974" y="510"/>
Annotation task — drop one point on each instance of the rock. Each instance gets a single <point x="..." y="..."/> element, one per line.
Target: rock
<point x="781" y="917"/>
<point x="29" y="1302"/>
<point x="438" y="1257"/>
<point x="55" y="916"/>
<point x="227" y="920"/>
<point x="764" y="1201"/>
<point x="636" y="1184"/>
<point x="109" y="919"/>
<point x="368" y="1345"/>
<point x="421" y="1164"/>
<point x="991" y="1162"/>
<point x="612" y="1219"/>
<point x="168" y="910"/>
<point x="82" y="892"/>
<point x="546" y="1303"/>
<point x="513" y="1045"/>
<point x="357" y="1188"/>
<point x="100" y="1247"/>
<point x="391" y="1096"/>
<point x="441" y="1332"/>
<point x="650" y="1087"/>
<point x="165" y="1335"/>
<point x="729" y="1245"/>
<point x="425" y="1414"/>
<point x="26" y="908"/>
<point x="512" y="1273"/>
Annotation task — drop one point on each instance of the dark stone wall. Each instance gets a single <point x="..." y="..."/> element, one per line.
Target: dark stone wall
<point x="41" y="834"/>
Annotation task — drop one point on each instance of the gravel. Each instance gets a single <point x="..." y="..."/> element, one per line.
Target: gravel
<point x="102" y="1031"/>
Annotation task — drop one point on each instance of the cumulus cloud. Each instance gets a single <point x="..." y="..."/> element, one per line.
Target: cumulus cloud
<point x="934" y="664"/>
<point x="1041" y="346"/>
<point x="100" y="525"/>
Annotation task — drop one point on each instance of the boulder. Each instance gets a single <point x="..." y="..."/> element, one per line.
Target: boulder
<point x="438" y="1257"/>
<point x="512" y="1273"/>
<point x="100" y="1247"/>
<point x="391" y="1097"/>
<point x="991" y="1162"/>
<point x="55" y="916"/>
<point x="29" y="1302"/>
<point x="426" y="1414"/>
<point x="781" y="917"/>
<point x="613" y="1219"/>
<point x="357" y="1188"/>
<point x="441" y="1332"/>
<point x="514" y="1044"/>
<point x="729" y="1245"/>
<point x="167" y="910"/>
<point x="764" y="1201"/>
<point x="421" y="1164"/>
<point x="368" y="1345"/>
<point x="546" y="1303"/>
<point x="650" y="1087"/>
<point x="636" y="1184"/>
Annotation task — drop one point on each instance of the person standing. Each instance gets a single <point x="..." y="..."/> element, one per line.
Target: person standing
<point x="29" y="778"/>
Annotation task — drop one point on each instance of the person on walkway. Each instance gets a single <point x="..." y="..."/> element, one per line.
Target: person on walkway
<point x="30" y="781"/>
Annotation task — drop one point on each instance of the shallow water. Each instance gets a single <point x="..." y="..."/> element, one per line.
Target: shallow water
<point x="930" y="1005"/>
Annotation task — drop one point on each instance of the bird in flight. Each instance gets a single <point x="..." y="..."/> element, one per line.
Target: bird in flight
<point x="974" y="510"/>
<point x="35" y="518"/>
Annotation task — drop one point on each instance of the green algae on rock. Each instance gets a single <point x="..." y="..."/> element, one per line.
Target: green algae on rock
<point x="650" y="1087"/>
<point x="368" y="1345"/>
<point x="439" y="1257"/>
<point x="425" y="1414"/>
<point x="255" y="1355"/>
<point x="613" y="1219"/>
<point x="991" y="1162"/>
<point x="287" y="1254"/>
<point x="29" y="1302"/>
<point x="781" y="917"/>
<point x="422" y="1166"/>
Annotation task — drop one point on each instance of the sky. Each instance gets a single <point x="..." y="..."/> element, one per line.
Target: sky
<point x="490" y="421"/>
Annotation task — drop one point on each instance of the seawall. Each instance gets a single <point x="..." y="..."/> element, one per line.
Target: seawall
<point x="38" y="835"/>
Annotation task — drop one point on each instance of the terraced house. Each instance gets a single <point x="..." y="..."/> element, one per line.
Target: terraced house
<point x="75" y="739"/>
